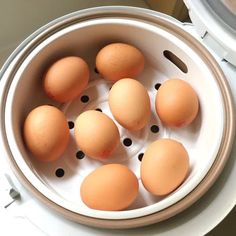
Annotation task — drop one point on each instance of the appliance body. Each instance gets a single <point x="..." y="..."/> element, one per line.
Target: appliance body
<point x="30" y="209"/>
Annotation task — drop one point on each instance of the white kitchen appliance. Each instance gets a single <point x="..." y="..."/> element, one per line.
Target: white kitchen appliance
<point x="223" y="50"/>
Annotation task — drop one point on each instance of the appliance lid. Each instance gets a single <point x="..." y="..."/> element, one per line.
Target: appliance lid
<point x="215" y="21"/>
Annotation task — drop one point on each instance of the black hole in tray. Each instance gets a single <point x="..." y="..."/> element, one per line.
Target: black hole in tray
<point x="127" y="142"/>
<point x="60" y="172"/>
<point x="84" y="98"/>
<point x="154" y="128"/>
<point x="99" y="109"/>
<point x="96" y="70"/>
<point x="140" y="156"/>
<point x="80" y="155"/>
<point x="157" y="86"/>
<point x="71" y="124"/>
<point x="175" y="60"/>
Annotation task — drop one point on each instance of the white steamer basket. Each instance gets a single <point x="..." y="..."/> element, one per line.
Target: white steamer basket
<point x="208" y="139"/>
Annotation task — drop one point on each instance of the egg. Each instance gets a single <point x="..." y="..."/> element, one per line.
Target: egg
<point x="176" y="103"/>
<point x="46" y="133"/>
<point x="164" y="166"/>
<point x="119" y="60"/>
<point x="96" y="134"/>
<point x="66" y="79"/>
<point x="129" y="103"/>
<point x="111" y="187"/>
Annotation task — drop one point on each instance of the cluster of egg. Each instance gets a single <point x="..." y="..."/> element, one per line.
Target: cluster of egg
<point x="165" y="163"/>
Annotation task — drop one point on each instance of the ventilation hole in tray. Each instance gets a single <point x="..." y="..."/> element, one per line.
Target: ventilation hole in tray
<point x="175" y="60"/>
<point x="59" y="172"/>
<point x="127" y="142"/>
<point x="157" y="86"/>
<point x="84" y="98"/>
<point x="99" y="109"/>
<point x="140" y="156"/>
<point x="71" y="124"/>
<point x="80" y="155"/>
<point x="96" y="70"/>
<point x="154" y="129"/>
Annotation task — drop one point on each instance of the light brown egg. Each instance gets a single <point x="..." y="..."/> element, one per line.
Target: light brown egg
<point x="110" y="187"/>
<point x="176" y="103"/>
<point x="66" y="79"/>
<point x="46" y="133"/>
<point x="119" y="60"/>
<point x="96" y="134"/>
<point x="130" y="104"/>
<point x="164" y="166"/>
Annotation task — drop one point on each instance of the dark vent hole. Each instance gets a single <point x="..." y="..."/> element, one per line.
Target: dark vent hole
<point x="80" y="155"/>
<point x="60" y="172"/>
<point x="71" y="124"/>
<point x="96" y="70"/>
<point x="140" y="156"/>
<point x="127" y="142"/>
<point x="157" y="86"/>
<point x="84" y="98"/>
<point x="175" y="60"/>
<point x="154" y="128"/>
<point x="99" y="109"/>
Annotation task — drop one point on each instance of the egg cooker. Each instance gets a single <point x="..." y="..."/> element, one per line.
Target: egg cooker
<point x="170" y="51"/>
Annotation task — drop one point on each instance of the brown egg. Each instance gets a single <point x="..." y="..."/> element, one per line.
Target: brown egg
<point x="46" y="133"/>
<point x="130" y="104"/>
<point x="110" y="187"/>
<point x="96" y="134"/>
<point x="176" y="103"/>
<point x="164" y="166"/>
<point x="119" y="60"/>
<point x="66" y="79"/>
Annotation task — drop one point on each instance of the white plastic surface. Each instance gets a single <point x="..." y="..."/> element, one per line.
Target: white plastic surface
<point x="214" y="30"/>
<point x="201" y="139"/>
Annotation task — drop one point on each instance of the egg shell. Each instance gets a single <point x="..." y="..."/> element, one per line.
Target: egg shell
<point x="46" y="133"/>
<point x="129" y="103"/>
<point x="176" y="103"/>
<point x="164" y="166"/>
<point x="66" y="79"/>
<point x="111" y="187"/>
<point x="119" y="60"/>
<point x="96" y="134"/>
